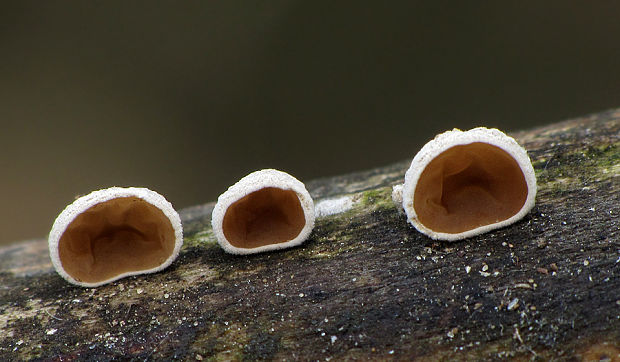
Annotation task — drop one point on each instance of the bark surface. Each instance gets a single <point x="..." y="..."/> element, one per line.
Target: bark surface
<point x="365" y="285"/>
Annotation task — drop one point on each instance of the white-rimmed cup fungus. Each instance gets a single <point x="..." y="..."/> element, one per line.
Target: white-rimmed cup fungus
<point x="463" y="184"/>
<point x="265" y="210"/>
<point x="113" y="233"/>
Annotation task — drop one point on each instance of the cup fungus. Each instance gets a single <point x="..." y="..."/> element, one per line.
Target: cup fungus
<point x="463" y="184"/>
<point x="113" y="233"/>
<point x="265" y="210"/>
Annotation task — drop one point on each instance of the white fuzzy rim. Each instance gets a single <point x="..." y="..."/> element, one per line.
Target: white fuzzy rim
<point x="253" y="182"/>
<point x="84" y="203"/>
<point x="456" y="137"/>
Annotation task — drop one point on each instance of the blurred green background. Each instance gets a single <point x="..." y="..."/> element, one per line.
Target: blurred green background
<point x="187" y="97"/>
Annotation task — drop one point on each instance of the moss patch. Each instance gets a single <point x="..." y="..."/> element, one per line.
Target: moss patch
<point x="380" y="198"/>
<point x="200" y="239"/>
<point x="594" y="164"/>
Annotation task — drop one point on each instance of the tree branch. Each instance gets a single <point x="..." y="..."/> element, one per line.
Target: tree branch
<point x="365" y="285"/>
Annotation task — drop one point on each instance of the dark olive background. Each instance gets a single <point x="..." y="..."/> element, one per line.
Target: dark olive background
<point x="187" y="97"/>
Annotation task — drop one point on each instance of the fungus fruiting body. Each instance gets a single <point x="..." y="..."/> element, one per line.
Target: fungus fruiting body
<point x="335" y="206"/>
<point x="113" y="233"/>
<point x="463" y="184"/>
<point x="265" y="210"/>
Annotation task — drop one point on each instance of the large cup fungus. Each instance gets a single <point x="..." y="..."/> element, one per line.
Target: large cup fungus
<point x="265" y="210"/>
<point x="113" y="233"/>
<point x="462" y="184"/>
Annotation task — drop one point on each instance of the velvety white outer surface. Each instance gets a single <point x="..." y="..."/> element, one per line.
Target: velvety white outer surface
<point x="456" y="137"/>
<point x="397" y="194"/>
<point x="96" y="197"/>
<point x="253" y="182"/>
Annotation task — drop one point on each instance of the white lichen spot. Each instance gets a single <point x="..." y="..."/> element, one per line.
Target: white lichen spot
<point x="523" y="286"/>
<point x="514" y="304"/>
<point x="453" y="332"/>
<point x="51" y="331"/>
<point x="334" y="338"/>
<point x="333" y="206"/>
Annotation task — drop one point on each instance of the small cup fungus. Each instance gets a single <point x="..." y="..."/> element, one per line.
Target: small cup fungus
<point x="265" y="210"/>
<point x="113" y="233"/>
<point x="463" y="184"/>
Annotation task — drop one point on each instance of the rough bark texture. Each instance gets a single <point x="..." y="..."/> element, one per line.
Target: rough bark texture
<point x="365" y="285"/>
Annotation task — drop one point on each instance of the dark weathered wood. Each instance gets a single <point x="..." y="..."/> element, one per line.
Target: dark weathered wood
<point x="365" y="285"/>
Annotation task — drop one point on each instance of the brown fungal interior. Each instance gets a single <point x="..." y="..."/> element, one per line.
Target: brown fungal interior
<point x="469" y="186"/>
<point x="268" y="216"/>
<point x="113" y="237"/>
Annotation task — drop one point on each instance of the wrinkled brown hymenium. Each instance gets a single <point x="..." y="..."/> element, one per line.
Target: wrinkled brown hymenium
<point x="469" y="186"/>
<point x="268" y="216"/>
<point x="114" y="237"/>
